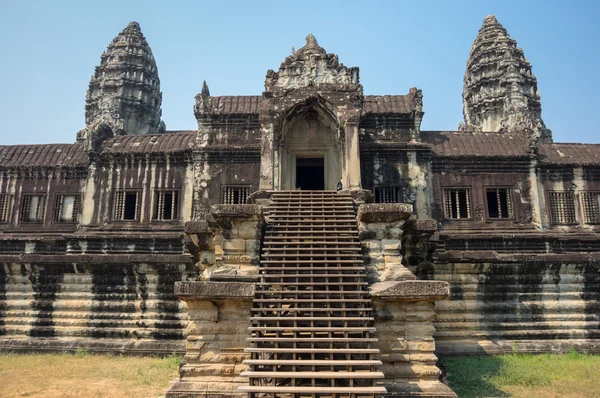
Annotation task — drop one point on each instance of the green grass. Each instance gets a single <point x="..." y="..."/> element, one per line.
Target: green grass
<point x="521" y="375"/>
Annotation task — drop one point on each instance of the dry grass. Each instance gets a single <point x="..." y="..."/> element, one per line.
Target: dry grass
<point x="85" y="375"/>
<point x="571" y="375"/>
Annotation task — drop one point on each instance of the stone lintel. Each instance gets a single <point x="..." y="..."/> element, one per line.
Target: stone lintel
<point x="194" y="291"/>
<point x="421" y="225"/>
<point x="410" y="290"/>
<point x="384" y="212"/>
<point x="197" y="227"/>
<point x="360" y="196"/>
<point x="224" y="215"/>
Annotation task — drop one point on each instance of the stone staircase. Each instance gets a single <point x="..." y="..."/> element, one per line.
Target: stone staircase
<point x="312" y="333"/>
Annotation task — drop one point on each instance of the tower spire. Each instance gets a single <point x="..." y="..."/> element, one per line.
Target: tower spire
<point x="124" y="91"/>
<point x="500" y="91"/>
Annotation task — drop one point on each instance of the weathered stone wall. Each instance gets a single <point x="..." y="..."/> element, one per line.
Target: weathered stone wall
<point x="100" y="294"/>
<point x="535" y="304"/>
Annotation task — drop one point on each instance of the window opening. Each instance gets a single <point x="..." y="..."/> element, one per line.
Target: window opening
<point x="389" y="194"/>
<point x="458" y="204"/>
<point x="66" y="208"/>
<point x="127" y="205"/>
<point x="5" y="205"/>
<point x="235" y="194"/>
<point x="562" y="208"/>
<point x="591" y="207"/>
<point x="33" y="207"/>
<point x="499" y="203"/>
<point x="166" y="205"/>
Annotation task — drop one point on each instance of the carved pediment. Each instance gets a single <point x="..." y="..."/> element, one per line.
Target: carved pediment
<point x="311" y="66"/>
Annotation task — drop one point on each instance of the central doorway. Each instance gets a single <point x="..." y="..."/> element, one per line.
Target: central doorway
<point x="310" y="174"/>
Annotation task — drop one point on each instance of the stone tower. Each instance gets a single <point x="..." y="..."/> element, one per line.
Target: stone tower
<point x="500" y="91"/>
<point x="124" y="91"/>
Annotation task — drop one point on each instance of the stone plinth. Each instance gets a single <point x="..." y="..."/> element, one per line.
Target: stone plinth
<point x="404" y="315"/>
<point x="381" y="227"/>
<point x="227" y="245"/>
<point x="219" y="314"/>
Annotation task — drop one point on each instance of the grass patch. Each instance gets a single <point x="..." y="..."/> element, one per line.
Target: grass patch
<point x="572" y="375"/>
<point x="85" y="375"/>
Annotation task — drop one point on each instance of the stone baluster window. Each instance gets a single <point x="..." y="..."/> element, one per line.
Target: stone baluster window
<point x="591" y="207"/>
<point x="166" y="205"/>
<point x="562" y="208"/>
<point x="499" y="203"/>
<point x="235" y="194"/>
<point x="127" y="205"/>
<point x="457" y="203"/>
<point x="389" y="194"/>
<point x="66" y="208"/>
<point x="33" y="208"/>
<point x="5" y="207"/>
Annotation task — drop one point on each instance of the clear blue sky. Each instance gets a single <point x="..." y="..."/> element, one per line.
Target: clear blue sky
<point x="50" y="48"/>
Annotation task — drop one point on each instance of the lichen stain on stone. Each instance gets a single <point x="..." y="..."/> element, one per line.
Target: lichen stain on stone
<point x="45" y="281"/>
<point x="3" y="303"/>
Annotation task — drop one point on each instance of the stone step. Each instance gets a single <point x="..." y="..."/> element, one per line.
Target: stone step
<point x="332" y="283"/>
<point x="315" y="350"/>
<point x="311" y="318"/>
<point x="310" y="268"/>
<point x="270" y="255"/>
<point x="320" y="300"/>
<point x="337" y="274"/>
<point x="316" y="362"/>
<point x="274" y="239"/>
<point x="337" y="329"/>
<point x="295" y="309"/>
<point x="314" y="292"/>
<point x="311" y="248"/>
<point x="275" y="244"/>
<point x="315" y="375"/>
<point x="313" y="339"/>
<point x="313" y="390"/>
<point x="328" y="261"/>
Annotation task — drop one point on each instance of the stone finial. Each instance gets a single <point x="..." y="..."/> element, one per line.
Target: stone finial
<point x="311" y="40"/>
<point x="124" y="91"/>
<point x="500" y="91"/>
<point x="205" y="92"/>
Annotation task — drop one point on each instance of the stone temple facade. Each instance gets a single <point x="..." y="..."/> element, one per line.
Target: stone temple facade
<point x="232" y="243"/>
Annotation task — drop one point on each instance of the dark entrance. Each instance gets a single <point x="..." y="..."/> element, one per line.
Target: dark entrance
<point x="310" y="174"/>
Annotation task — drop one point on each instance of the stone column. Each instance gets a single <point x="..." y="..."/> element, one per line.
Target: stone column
<point x="219" y="314"/>
<point x="352" y="157"/>
<point x="266" y="155"/>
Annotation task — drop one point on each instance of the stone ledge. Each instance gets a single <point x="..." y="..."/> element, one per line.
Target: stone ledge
<point x="196" y="227"/>
<point x="214" y="290"/>
<point x="223" y="215"/>
<point x="384" y="212"/>
<point x="241" y="211"/>
<point x="429" y="389"/>
<point x="360" y="196"/>
<point x="410" y="290"/>
<point x="99" y="258"/>
<point x="424" y="225"/>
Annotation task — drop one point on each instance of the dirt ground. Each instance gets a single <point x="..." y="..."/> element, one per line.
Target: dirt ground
<point x="85" y="375"/>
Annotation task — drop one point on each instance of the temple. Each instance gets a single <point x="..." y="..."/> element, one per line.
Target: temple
<point x="310" y="241"/>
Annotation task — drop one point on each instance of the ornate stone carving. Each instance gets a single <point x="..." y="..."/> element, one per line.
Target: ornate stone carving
<point x="310" y="66"/>
<point x="124" y="91"/>
<point x="500" y="91"/>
